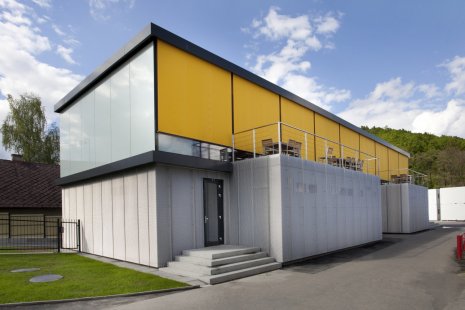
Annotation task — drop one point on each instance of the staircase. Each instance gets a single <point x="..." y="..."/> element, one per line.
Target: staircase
<point x="221" y="263"/>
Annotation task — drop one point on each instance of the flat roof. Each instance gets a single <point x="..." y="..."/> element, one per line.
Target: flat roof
<point x="152" y="32"/>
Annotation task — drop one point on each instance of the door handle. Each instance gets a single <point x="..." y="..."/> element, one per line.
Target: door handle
<point x="205" y="219"/>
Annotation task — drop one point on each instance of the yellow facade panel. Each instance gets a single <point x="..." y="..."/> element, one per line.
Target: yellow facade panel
<point x="367" y="154"/>
<point x="328" y="132"/>
<point x="295" y="115"/>
<point x="194" y="97"/>
<point x="349" y="143"/>
<point x="254" y="107"/>
<point x="382" y="155"/>
<point x="403" y="164"/>
<point x="393" y="162"/>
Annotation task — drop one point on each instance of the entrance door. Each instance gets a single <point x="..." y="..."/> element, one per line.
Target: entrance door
<point x="213" y="211"/>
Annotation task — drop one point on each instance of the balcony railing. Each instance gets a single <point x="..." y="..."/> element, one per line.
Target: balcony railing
<point x="405" y="175"/>
<point x="281" y="138"/>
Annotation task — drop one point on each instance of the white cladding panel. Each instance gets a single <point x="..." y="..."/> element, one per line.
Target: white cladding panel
<point x="433" y="204"/>
<point x="107" y="218"/>
<point x="117" y="216"/>
<point x="312" y="208"/>
<point x="119" y="231"/>
<point x="179" y="207"/>
<point x="87" y="224"/>
<point x="97" y="228"/>
<point x="131" y="218"/>
<point x="452" y="202"/>
<point x="143" y="218"/>
<point x="406" y="208"/>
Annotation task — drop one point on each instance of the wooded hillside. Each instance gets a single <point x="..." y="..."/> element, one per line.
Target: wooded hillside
<point x="441" y="158"/>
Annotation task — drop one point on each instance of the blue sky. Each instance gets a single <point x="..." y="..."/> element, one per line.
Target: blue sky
<point x="386" y="63"/>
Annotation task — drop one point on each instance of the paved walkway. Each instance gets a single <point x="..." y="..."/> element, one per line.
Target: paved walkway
<point x="415" y="271"/>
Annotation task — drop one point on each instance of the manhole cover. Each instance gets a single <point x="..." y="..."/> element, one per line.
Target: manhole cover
<point x="26" y="270"/>
<point x="45" y="278"/>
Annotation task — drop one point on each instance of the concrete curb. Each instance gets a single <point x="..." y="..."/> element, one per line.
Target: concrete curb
<point x="44" y="302"/>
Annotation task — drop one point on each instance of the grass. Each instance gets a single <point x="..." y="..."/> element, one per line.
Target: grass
<point x="82" y="277"/>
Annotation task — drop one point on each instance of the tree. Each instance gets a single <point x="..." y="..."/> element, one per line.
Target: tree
<point x="25" y="131"/>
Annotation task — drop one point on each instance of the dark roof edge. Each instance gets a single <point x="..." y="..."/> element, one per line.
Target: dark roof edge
<point x="152" y="31"/>
<point x="150" y="157"/>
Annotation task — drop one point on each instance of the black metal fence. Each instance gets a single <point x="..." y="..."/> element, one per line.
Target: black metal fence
<point x="19" y="232"/>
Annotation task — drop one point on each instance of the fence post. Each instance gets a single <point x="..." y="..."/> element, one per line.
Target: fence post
<point x="326" y="152"/>
<point x="45" y="228"/>
<point x="306" y="155"/>
<point x="279" y="138"/>
<point x="343" y="161"/>
<point x="9" y="225"/>
<point x="58" y="235"/>
<point x="253" y="141"/>
<point x="233" y="148"/>
<point x="79" y="235"/>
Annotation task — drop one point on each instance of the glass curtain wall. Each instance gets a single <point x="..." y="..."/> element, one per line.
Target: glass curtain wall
<point x="113" y="121"/>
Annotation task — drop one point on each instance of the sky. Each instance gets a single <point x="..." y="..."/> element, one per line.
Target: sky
<point x="376" y="63"/>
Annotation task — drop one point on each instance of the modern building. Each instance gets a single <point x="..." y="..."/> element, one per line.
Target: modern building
<point x="447" y="204"/>
<point x="168" y="147"/>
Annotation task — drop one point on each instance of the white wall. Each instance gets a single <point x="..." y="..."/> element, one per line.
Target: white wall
<point x="295" y="209"/>
<point x="179" y="199"/>
<point x="433" y="204"/>
<point x="118" y="215"/>
<point x="452" y="202"/>
<point x="405" y="208"/>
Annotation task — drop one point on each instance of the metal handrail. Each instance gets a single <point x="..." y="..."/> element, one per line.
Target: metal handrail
<point x="306" y="133"/>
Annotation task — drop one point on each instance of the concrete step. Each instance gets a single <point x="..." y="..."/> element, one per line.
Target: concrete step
<point x="221" y="251"/>
<point x="204" y="270"/>
<point x="233" y="275"/>
<point x="220" y="261"/>
<point x="181" y="272"/>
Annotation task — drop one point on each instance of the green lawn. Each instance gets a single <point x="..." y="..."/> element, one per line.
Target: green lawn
<point x="82" y="277"/>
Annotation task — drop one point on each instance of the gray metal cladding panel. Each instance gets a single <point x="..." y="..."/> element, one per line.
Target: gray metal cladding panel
<point x="181" y="210"/>
<point x="314" y="208"/>
<point x="394" y="208"/>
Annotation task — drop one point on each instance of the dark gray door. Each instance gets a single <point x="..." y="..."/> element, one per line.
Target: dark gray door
<point x="213" y="211"/>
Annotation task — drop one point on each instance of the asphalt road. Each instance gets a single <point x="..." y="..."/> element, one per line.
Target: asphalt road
<point x="415" y="271"/>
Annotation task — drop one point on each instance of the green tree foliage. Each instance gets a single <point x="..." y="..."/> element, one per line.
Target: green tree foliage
<point x="441" y="158"/>
<point x="25" y="131"/>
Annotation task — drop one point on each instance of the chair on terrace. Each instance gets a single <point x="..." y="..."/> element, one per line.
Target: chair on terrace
<point x="293" y="148"/>
<point x="268" y="147"/>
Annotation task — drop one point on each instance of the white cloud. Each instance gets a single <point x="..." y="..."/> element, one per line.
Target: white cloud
<point x="276" y="26"/>
<point x="58" y="31"/>
<point x="430" y="90"/>
<point x="408" y="106"/>
<point x="65" y="53"/>
<point x="449" y="120"/>
<point x="456" y="68"/>
<point x="43" y="3"/>
<point x="327" y="24"/>
<point x="20" y="69"/>
<point x="101" y="9"/>
<point x="288" y="65"/>
<point x="393" y="90"/>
